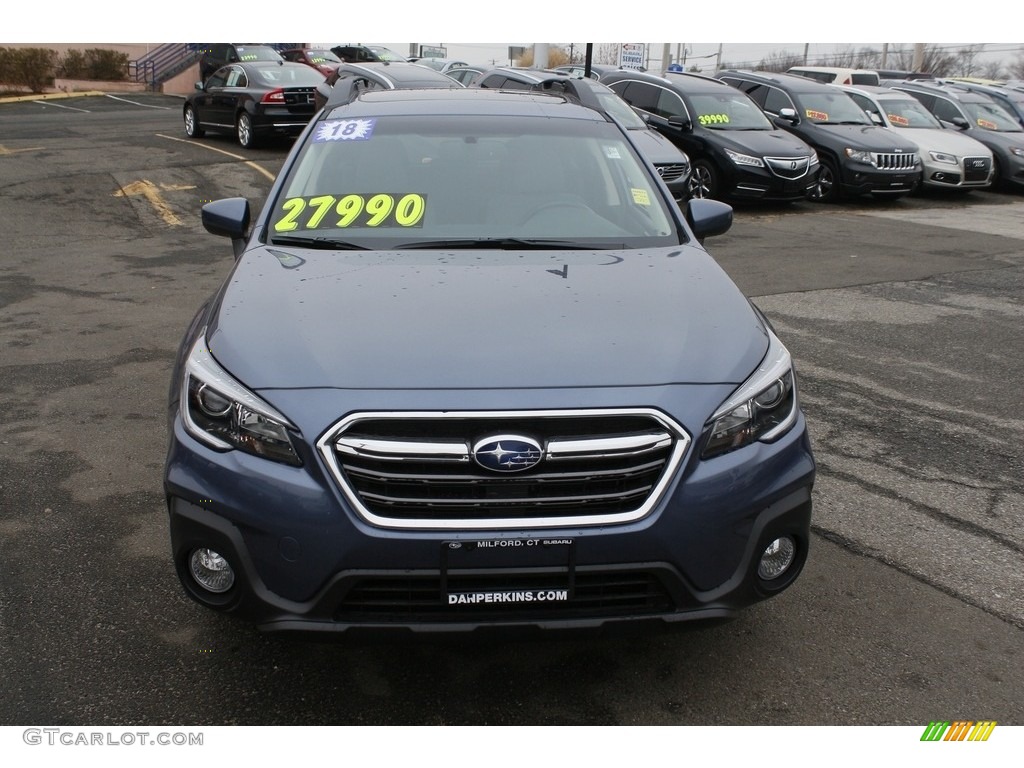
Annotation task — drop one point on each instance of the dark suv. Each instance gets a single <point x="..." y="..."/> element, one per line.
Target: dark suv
<point x="857" y="157"/>
<point x="735" y="150"/>
<point x="979" y="117"/>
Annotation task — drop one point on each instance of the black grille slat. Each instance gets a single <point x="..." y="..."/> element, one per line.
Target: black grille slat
<point x="895" y="162"/>
<point x="976" y="168"/>
<point x="404" y="598"/>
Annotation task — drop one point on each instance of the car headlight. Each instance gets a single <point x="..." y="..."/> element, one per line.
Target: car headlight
<point x="218" y="411"/>
<point x="944" y="157"/>
<point x="740" y="159"/>
<point x="1018" y="151"/>
<point x="762" y="409"/>
<point x="814" y="159"/>
<point x="860" y="155"/>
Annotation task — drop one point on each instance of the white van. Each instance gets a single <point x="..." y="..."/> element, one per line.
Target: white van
<point x="837" y="75"/>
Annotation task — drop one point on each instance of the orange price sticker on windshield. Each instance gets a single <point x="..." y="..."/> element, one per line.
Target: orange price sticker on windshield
<point x="988" y="125"/>
<point x="813" y="114"/>
<point x="898" y="120"/>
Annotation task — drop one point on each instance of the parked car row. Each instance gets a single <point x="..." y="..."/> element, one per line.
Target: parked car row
<point x="816" y="133"/>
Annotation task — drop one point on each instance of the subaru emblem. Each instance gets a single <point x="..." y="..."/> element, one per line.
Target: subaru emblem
<point x="507" y="453"/>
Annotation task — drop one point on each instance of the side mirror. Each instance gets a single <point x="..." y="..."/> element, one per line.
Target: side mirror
<point x="789" y="115"/>
<point x="876" y="119"/>
<point x="708" y="218"/>
<point x="199" y="85"/>
<point x="680" y="123"/>
<point x="228" y="218"/>
<point x="961" y="123"/>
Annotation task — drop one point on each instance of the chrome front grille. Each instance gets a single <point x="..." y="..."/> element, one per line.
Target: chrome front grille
<point x="901" y="161"/>
<point x="788" y="167"/>
<point x="672" y="171"/>
<point x="417" y="470"/>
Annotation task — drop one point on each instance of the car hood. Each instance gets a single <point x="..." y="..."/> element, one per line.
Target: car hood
<point x="942" y="140"/>
<point x="656" y="147"/>
<point x="872" y="138"/>
<point x="760" y="143"/>
<point x="290" y="318"/>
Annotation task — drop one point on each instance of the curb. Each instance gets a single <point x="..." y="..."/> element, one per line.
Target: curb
<point x="49" y="96"/>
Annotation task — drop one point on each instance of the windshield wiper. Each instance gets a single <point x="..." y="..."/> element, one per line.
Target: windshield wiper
<point x="321" y="243"/>
<point x="502" y="243"/>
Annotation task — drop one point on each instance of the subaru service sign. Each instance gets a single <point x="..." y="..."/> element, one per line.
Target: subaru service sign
<point x="631" y="56"/>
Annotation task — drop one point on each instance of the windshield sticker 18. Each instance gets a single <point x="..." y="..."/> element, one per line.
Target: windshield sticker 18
<point x="345" y="130"/>
<point x="813" y="114"/>
<point x="381" y="209"/>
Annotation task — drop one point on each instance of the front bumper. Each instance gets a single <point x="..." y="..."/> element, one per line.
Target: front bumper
<point x="305" y="561"/>
<point x="858" y="179"/>
<point x="749" y="183"/>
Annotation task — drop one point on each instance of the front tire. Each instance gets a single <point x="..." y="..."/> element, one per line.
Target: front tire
<point x="826" y="190"/>
<point x="192" y="129"/>
<point x="243" y="127"/>
<point x="704" y="181"/>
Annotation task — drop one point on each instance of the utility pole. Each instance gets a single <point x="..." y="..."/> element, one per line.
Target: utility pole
<point x="885" y="55"/>
<point x="718" y="59"/>
<point x="918" y="57"/>
<point x="666" y="56"/>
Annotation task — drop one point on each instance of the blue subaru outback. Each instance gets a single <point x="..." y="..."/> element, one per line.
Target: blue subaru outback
<point x="473" y="367"/>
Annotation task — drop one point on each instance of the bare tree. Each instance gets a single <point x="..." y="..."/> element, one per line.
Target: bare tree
<point x="935" y="60"/>
<point x="780" y="61"/>
<point x="1017" y="67"/>
<point x="607" y="53"/>
<point x="965" y="60"/>
<point x="993" y="70"/>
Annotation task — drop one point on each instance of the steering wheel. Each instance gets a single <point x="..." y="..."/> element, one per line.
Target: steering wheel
<point x="567" y="205"/>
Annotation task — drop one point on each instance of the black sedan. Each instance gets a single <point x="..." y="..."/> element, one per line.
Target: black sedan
<point x="253" y="100"/>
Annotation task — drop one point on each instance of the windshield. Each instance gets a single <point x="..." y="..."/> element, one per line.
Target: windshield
<point x="613" y="104"/>
<point x="287" y="76"/>
<point x="830" y="109"/>
<point x="908" y="113"/>
<point x="729" y="112"/>
<point x="257" y="53"/>
<point x="410" y="181"/>
<point x="990" y="116"/>
<point x="320" y="57"/>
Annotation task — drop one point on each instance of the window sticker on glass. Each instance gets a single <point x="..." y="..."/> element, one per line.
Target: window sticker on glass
<point x="345" y="130"/>
<point x="382" y="209"/>
<point x="988" y="125"/>
<point x="640" y="196"/>
<point x="898" y="120"/>
<point x="713" y="119"/>
<point x="813" y="114"/>
<point x="612" y="152"/>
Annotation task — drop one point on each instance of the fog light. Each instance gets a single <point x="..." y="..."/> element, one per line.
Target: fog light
<point x="211" y="571"/>
<point x="776" y="558"/>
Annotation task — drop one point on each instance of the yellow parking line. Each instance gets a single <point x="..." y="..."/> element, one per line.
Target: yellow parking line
<point x="250" y="163"/>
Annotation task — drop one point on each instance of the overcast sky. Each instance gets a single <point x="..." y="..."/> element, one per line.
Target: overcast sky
<point x="743" y="26"/>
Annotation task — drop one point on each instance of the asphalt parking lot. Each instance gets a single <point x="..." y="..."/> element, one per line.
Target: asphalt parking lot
<point x="904" y="319"/>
